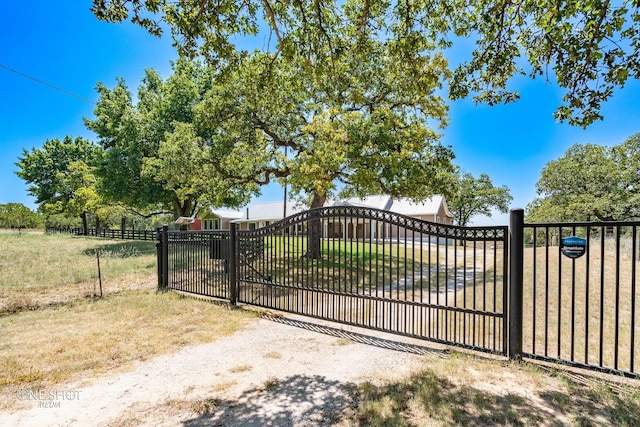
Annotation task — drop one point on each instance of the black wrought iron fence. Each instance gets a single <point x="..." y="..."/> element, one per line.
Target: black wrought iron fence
<point x="579" y="294"/>
<point x="564" y="293"/>
<point x="197" y="262"/>
<point x="106" y="233"/>
<point x="363" y="267"/>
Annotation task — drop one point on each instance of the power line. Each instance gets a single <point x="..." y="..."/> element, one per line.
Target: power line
<point x="66" y="92"/>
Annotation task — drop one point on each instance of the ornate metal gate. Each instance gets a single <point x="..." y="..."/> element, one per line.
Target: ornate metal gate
<point x="363" y="267"/>
<point x="382" y="271"/>
<point x="572" y="294"/>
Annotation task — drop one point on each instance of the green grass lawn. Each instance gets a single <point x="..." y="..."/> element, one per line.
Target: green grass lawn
<point x="353" y="265"/>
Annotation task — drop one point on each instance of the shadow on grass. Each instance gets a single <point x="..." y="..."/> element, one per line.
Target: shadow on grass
<point x="126" y="249"/>
<point x="432" y="396"/>
<point x="597" y="403"/>
<point x="425" y="398"/>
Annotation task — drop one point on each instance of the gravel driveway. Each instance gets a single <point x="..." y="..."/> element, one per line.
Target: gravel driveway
<point x="279" y="371"/>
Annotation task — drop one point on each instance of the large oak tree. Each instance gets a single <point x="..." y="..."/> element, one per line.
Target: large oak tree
<point x="152" y="151"/>
<point x="477" y="196"/>
<point x="60" y="176"/>
<point x="361" y="130"/>
<point x="357" y="119"/>
<point x="590" y="182"/>
<point x="589" y="47"/>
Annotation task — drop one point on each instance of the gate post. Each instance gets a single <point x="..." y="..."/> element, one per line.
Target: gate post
<point x="516" y="260"/>
<point x="233" y="253"/>
<point x="163" y="258"/>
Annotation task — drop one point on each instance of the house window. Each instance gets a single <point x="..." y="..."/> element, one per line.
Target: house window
<point x="252" y="226"/>
<point x="211" y="224"/>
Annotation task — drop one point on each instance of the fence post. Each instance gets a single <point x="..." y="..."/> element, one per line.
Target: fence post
<point x="233" y="253"/>
<point x="162" y="249"/>
<point x="165" y="255"/>
<point x="516" y="259"/>
<point x="159" y="255"/>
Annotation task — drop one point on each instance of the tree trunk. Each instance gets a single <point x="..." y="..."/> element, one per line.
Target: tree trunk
<point x="123" y="226"/>
<point x="315" y="229"/>
<point x="183" y="208"/>
<point x="85" y="225"/>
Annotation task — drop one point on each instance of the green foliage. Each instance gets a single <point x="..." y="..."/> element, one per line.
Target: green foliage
<point x="61" y="176"/>
<point x="348" y="119"/>
<point x="590" y="182"/>
<point x="588" y="47"/>
<point x="154" y="151"/>
<point x="150" y="222"/>
<point x="17" y="215"/>
<point x="47" y="168"/>
<point x="477" y="196"/>
<point x="62" y="221"/>
<point x="357" y="117"/>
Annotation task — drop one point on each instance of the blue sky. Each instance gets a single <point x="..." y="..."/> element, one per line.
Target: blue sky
<point x="63" y="44"/>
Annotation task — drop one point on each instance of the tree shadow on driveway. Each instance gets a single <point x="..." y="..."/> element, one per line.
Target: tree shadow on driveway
<point x="294" y="401"/>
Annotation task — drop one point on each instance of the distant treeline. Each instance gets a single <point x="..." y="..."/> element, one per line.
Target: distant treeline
<point x="18" y="216"/>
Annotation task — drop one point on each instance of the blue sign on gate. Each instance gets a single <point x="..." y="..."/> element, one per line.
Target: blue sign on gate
<point x="573" y="247"/>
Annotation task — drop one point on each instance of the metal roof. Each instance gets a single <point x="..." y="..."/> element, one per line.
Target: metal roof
<point x="272" y="211"/>
<point x="378" y="201"/>
<point x="227" y="214"/>
<point x="430" y="206"/>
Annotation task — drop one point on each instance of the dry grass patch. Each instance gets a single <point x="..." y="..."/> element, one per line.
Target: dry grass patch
<point x="240" y="368"/>
<point x="38" y="270"/>
<point x="204" y="406"/>
<point x="270" y="383"/>
<point x="224" y="386"/>
<point x="273" y="355"/>
<point x="168" y="412"/>
<point x="468" y="390"/>
<point x="573" y="304"/>
<point x="85" y="338"/>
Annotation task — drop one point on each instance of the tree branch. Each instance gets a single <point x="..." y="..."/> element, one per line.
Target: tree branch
<point x="272" y="18"/>
<point x="263" y="126"/>
<point x="148" y="215"/>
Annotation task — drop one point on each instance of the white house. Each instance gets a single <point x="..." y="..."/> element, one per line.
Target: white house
<point x="433" y="209"/>
<point x="259" y="215"/>
<point x="253" y="216"/>
<point x="217" y="219"/>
